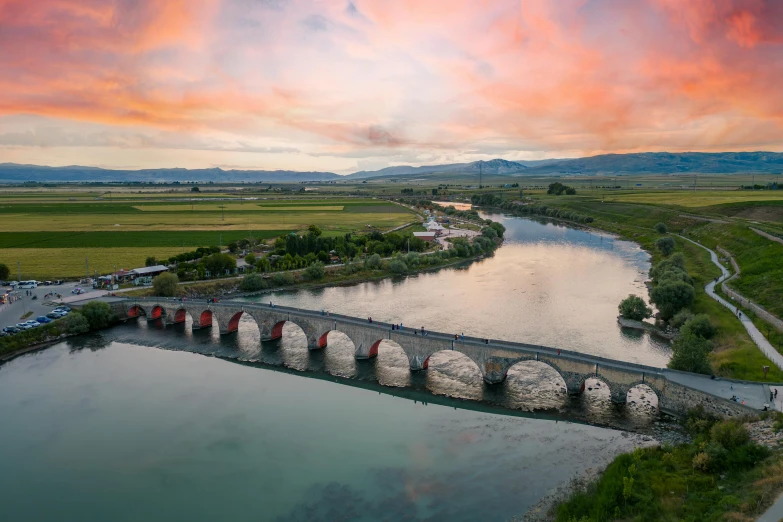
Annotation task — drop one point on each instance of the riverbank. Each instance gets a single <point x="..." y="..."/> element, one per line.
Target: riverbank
<point x="337" y="276"/>
<point x="735" y="355"/>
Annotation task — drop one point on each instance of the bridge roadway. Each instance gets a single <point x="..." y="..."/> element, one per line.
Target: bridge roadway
<point x="677" y="391"/>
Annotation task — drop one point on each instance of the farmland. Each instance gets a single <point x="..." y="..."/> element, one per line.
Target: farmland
<point x="51" y="233"/>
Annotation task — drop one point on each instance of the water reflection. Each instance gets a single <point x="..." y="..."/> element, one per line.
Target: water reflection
<point x="529" y="385"/>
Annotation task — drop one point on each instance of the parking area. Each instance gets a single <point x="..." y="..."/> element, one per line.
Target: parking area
<point x="12" y="313"/>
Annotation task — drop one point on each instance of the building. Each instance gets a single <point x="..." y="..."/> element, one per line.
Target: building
<point x="425" y="236"/>
<point x="434" y="227"/>
<point x="143" y="276"/>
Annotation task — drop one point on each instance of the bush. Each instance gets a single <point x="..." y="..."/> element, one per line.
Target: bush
<point x="689" y="354"/>
<point x="98" y="314"/>
<point x="661" y="228"/>
<point x="634" y="307"/>
<point x="681" y="317"/>
<point x="672" y="296"/>
<point x="74" y="323"/>
<point x="4" y="271"/>
<point x="665" y="245"/>
<point x="730" y="434"/>
<point x="398" y="266"/>
<point x="701" y="326"/>
<point x="165" y="285"/>
<point x="250" y="259"/>
<point x="413" y="259"/>
<point x="489" y="233"/>
<point x="253" y="283"/>
<point x="373" y="262"/>
<point x="283" y="278"/>
<point x="315" y="271"/>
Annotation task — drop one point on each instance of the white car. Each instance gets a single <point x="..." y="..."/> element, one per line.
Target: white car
<point x="33" y="324"/>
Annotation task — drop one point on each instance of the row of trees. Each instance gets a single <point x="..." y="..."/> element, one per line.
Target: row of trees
<point x="544" y="211"/>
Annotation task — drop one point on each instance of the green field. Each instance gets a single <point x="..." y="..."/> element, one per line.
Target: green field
<point x="50" y="233"/>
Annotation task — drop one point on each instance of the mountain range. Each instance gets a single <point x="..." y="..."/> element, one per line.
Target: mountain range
<point x="601" y="165"/>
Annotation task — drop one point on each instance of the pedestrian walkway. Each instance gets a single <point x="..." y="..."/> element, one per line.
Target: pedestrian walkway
<point x="774" y="513"/>
<point x="754" y="332"/>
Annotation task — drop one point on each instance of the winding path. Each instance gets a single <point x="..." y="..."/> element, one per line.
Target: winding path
<point x="754" y="332"/>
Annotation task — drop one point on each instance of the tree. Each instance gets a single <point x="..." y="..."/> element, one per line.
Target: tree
<point x="74" y="323"/>
<point x="689" y="354"/>
<point x="700" y="326"/>
<point x="250" y="259"/>
<point x="98" y="314"/>
<point x="233" y="247"/>
<point x="661" y="228"/>
<point x="314" y="230"/>
<point x="253" y="283"/>
<point x="195" y="189"/>
<point x="315" y="271"/>
<point x="219" y="263"/>
<point x="150" y="261"/>
<point x="489" y="233"/>
<point x="665" y="245"/>
<point x="671" y="296"/>
<point x="570" y="191"/>
<point x="398" y="266"/>
<point x="165" y="285"/>
<point x="373" y="262"/>
<point x="634" y="307"/>
<point x="4" y="272"/>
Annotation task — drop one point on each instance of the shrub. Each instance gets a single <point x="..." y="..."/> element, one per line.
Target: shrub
<point x="398" y="266"/>
<point x="672" y="296"/>
<point x="315" y="271"/>
<point x="250" y="259"/>
<point x="701" y="326"/>
<point x="730" y="434"/>
<point x="98" y="314"/>
<point x="701" y="462"/>
<point x="489" y="233"/>
<point x="661" y="228"/>
<point x="689" y="354"/>
<point x="373" y="262"/>
<point x="413" y="259"/>
<point x="74" y="323"/>
<point x="665" y="245"/>
<point x="283" y="278"/>
<point x="253" y="283"/>
<point x="634" y="307"/>
<point x="165" y="285"/>
<point x="681" y="317"/>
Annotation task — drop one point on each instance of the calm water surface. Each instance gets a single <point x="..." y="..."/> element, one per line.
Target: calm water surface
<point x="100" y="430"/>
<point x="137" y="424"/>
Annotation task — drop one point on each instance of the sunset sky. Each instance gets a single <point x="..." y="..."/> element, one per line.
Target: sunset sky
<point x="352" y="85"/>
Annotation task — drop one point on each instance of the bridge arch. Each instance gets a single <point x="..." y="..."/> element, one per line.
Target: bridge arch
<point x="644" y="387"/>
<point x="136" y="311"/>
<point x="156" y="312"/>
<point x="180" y="315"/>
<point x="202" y="318"/>
<point x="539" y="369"/>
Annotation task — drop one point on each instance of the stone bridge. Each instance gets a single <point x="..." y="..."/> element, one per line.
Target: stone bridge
<point x="493" y="357"/>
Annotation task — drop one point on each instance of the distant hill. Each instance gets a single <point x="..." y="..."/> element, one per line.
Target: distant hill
<point x="604" y="164"/>
<point x="667" y="163"/>
<point x="15" y="173"/>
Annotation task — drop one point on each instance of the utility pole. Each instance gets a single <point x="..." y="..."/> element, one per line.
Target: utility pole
<point x="86" y="268"/>
<point x="221" y="242"/>
<point x="19" y="270"/>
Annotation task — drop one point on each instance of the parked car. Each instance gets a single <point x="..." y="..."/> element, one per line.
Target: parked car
<point x="58" y="282"/>
<point x="33" y="323"/>
<point x="53" y="315"/>
<point x="11" y="329"/>
<point x="62" y="308"/>
<point x="43" y="319"/>
<point x="23" y="326"/>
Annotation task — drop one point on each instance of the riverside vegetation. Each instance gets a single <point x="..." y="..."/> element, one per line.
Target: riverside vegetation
<point x="281" y="269"/>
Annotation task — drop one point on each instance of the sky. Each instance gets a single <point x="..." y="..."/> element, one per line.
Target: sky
<point x="347" y="85"/>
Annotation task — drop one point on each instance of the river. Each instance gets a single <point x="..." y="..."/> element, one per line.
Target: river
<point x="135" y="423"/>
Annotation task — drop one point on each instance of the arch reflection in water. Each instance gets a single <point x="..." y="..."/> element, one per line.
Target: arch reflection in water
<point x="532" y="385"/>
<point x="529" y="385"/>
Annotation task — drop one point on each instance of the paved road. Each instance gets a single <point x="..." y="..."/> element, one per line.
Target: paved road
<point x="754" y="332"/>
